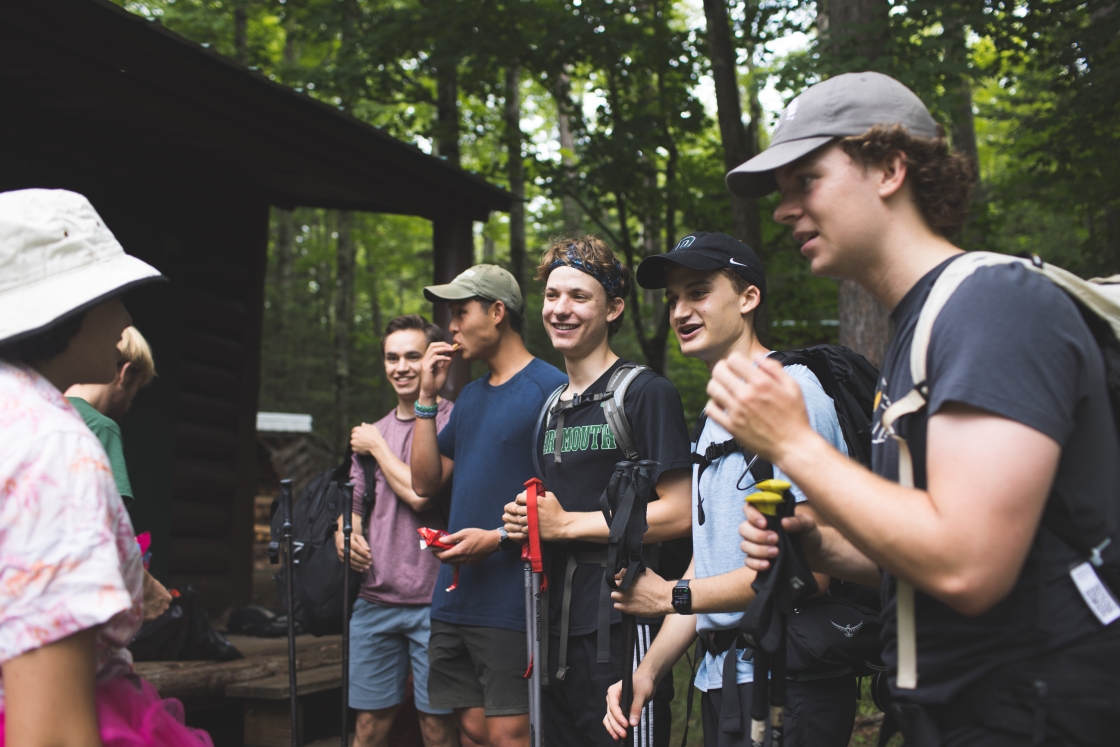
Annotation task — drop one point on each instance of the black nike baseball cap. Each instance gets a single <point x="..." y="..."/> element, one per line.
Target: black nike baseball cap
<point x="704" y="251"/>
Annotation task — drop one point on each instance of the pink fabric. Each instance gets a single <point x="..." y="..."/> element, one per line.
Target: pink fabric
<point x="130" y="713"/>
<point x="68" y="555"/>
<point x="402" y="575"/>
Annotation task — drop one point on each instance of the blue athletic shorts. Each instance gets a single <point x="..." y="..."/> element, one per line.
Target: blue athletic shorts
<point x="384" y="642"/>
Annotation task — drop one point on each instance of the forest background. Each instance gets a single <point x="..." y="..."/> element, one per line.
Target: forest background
<point x="620" y="118"/>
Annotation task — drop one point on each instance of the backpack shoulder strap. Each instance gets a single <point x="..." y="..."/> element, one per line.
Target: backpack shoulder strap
<point x="943" y="289"/>
<point x="615" y="411"/>
<point x="542" y="421"/>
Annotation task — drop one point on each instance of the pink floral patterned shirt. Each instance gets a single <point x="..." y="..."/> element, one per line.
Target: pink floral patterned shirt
<point x="68" y="557"/>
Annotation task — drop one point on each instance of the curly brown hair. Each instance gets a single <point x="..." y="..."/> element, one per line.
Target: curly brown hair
<point x="593" y="253"/>
<point x="941" y="180"/>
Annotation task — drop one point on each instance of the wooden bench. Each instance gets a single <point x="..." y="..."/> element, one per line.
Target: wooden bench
<point x="259" y="682"/>
<point x="267" y="706"/>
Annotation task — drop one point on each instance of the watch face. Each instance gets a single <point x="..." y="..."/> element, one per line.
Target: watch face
<point x="682" y="599"/>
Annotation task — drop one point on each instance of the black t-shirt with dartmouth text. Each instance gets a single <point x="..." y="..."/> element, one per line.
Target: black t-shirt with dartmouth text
<point x="589" y="454"/>
<point x="1011" y="343"/>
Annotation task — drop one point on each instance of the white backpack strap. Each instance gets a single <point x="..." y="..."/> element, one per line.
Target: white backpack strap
<point x="943" y="288"/>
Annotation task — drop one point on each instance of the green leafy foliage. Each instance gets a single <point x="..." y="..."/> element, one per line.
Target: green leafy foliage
<point x="1039" y="78"/>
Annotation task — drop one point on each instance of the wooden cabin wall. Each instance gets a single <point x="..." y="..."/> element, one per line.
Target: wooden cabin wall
<point x="190" y="438"/>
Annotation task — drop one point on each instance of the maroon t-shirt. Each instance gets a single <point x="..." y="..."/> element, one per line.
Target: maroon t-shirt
<point x="402" y="574"/>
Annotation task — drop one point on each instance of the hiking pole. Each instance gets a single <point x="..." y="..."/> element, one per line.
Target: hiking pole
<point x="347" y="529"/>
<point x="778" y="691"/>
<point x="765" y="619"/>
<point x="623" y="505"/>
<point x="759" y="697"/>
<point x="289" y="572"/>
<point x="534" y="568"/>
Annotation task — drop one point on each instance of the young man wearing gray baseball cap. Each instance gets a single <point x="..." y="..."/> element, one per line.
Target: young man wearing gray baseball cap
<point x="996" y="630"/>
<point x="477" y="645"/>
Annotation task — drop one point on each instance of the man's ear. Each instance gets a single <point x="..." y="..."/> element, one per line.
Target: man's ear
<point x="124" y="372"/>
<point x="892" y="174"/>
<point x="615" y="307"/>
<point x="750" y="299"/>
<point x="497" y="312"/>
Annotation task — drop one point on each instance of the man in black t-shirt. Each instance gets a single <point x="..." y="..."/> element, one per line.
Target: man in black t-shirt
<point x="585" y="288"/>
<point x="988" y="639"/>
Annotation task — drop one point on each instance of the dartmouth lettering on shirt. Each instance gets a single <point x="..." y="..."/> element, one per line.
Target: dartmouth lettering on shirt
<point x="489" y="436"/>
<point x="588" y="454"/>
<point x="1012" y="344"/>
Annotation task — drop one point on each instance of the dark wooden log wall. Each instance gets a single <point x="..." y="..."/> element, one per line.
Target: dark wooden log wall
<point x="220" y="298"/>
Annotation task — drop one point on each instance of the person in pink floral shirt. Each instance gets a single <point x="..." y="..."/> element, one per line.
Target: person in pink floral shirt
<point x="70" y="570"/>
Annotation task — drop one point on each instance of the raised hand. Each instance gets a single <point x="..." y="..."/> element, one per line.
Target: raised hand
<point x="433" y="370"/>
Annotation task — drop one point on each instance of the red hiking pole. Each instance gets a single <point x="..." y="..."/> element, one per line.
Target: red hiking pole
<point x="535" y="583"/>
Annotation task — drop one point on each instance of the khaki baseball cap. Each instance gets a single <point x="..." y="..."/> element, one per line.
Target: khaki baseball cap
<point x="481" y="281"/>
<point x="847" y="105"/>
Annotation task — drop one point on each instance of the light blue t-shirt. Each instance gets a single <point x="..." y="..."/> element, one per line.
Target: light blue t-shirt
<point x="716" y="542"/>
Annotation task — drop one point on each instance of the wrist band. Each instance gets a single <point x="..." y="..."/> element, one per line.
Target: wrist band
<point x="425" y="412"/>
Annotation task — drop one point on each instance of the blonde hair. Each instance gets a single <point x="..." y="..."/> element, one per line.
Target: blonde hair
<point x="134" y="349"/>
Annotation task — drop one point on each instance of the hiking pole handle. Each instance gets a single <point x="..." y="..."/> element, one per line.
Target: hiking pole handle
<point x="531" y="550"/>
<point x="347" y="530"/>
<point x="289" y="574"/>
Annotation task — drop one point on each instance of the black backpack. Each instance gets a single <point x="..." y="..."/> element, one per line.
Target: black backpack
<point x="318" y="572"/>
<point x="851" y="381"/>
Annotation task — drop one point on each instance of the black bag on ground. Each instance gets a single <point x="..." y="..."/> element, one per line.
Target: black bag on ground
<point x="318" y="601"/>
<point x="182" y="633"/>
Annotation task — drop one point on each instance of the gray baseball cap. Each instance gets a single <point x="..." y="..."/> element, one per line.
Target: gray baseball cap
<point x="849" y="104"/>
<point x="481" y="281"/>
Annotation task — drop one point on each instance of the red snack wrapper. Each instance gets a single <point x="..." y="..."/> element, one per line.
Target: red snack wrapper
<point x="145" y="541"/>
<point x="432" y="539"/>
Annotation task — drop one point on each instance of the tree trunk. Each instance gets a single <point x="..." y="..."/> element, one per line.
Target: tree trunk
<point x="573" y="218"/>
<point x="856" y="33"/>
<point x="515" y="170"/>
<point x="963" y="132"/>
<point x="241" y="32"/>
<point x="446" y="144"/>
<point x="343" y="319"/>
<point x="737" y="146"/>
<point x="865" y="326"/>
<point x="283" y="261"/>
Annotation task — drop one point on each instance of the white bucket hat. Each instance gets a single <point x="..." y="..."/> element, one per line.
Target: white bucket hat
<point x="57" y="257"/>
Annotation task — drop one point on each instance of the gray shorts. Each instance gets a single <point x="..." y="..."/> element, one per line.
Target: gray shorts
<point x="384" y="643"/>
<point x="477" y="667"/>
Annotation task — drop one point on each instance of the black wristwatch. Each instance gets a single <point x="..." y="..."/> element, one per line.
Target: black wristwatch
<point x="504" y="542"/>
<point x="682" y="597"/>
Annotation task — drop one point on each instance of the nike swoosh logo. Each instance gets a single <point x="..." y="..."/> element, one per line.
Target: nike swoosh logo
<point x="736" y="263"/>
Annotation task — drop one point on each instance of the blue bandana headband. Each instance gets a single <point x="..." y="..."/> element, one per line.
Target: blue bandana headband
<point x="611" y="281"/>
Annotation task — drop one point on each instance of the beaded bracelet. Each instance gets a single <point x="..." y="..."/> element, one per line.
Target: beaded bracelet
<point x="425" y="412"/>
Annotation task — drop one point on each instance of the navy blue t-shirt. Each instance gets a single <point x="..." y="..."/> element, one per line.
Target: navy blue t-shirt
<point x="1008" y="342"/>
<point x="490" y="438"/>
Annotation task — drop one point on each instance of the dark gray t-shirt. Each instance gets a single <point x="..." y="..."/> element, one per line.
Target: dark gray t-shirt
<point x="1011" y="343"/>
